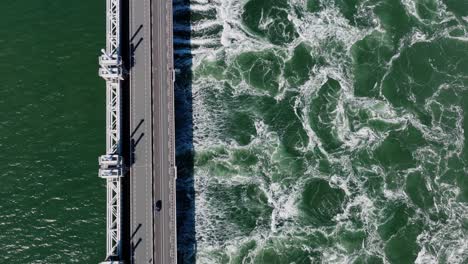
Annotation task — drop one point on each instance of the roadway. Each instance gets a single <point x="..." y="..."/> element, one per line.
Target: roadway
<point x="165" y="238"/>
<point x="141" y="191"/>
<point x="152" y="172"/>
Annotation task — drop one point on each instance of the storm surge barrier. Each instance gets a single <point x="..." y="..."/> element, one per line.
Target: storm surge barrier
<point x="111" y="164"/>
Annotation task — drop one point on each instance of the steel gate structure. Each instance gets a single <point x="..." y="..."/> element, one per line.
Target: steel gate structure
<point x="111" y="164"/>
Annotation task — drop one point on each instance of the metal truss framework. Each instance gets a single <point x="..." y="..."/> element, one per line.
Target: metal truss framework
<point x="111" y="164"/>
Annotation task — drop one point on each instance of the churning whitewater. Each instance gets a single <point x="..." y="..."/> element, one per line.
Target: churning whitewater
<point x="324" y="131"/>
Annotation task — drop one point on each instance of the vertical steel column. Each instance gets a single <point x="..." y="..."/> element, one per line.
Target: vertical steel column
<point x="111" y="165"/>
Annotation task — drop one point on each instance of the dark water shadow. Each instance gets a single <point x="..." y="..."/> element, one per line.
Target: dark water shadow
<point x="186" y="239"/>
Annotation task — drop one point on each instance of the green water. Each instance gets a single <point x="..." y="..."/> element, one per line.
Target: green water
<point x="324" y="131"/>
<point x="52" y="129"/>
<point x="330" y="131"/>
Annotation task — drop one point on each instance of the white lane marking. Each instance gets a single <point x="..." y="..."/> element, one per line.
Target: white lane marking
<point x="161" y="167"/>
<point x="145" y="17"/>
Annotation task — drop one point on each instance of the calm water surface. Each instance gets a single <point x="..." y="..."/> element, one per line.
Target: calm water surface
<point x="52" y="128"/>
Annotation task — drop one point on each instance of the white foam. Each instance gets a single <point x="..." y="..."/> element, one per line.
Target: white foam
<point x="192" y="7"/>
<point x="202" y="25"/>
<point x="325" y="25"/>
<point x="317" y="30"/>
<point x="196" y="41"/>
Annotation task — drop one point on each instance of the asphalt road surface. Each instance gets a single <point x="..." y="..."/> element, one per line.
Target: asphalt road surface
<point x="141" y="200"/>
<point x="164" y="185"/>
<point x="152" y="190"/>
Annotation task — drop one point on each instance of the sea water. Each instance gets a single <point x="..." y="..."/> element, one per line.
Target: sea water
<point x="326" y="131"/>
<point x="52" y="129"/>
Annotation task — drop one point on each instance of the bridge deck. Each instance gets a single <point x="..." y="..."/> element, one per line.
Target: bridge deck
<point x="163" y="133"/>
<point x="153" y="232"/>
<point x="141" y="191"/>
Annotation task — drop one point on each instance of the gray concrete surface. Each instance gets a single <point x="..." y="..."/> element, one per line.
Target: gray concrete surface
<point x="164" y="176"/>
<point x="153" y="232"/>
<point x="141" y="191"/>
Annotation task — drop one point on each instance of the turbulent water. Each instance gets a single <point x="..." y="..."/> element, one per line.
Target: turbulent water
<point x="325" y="131"/>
